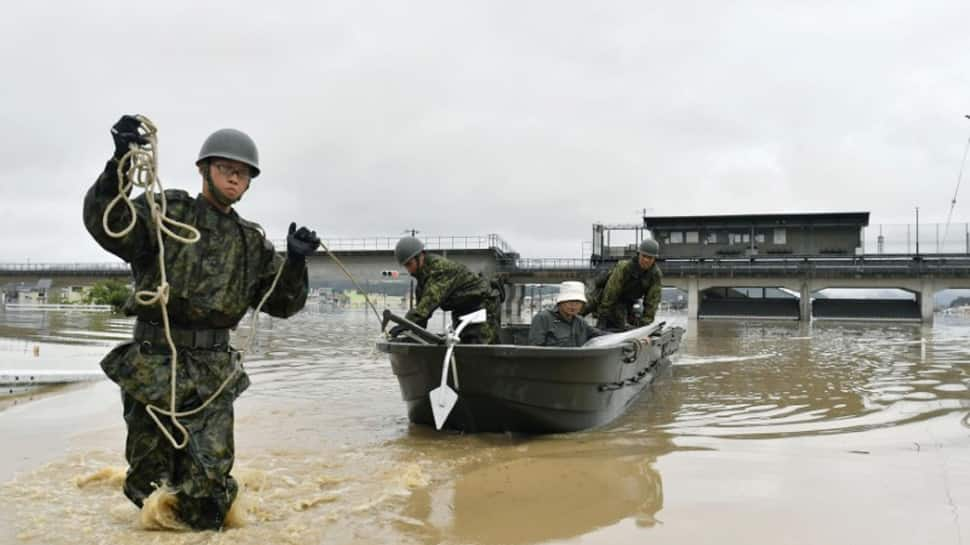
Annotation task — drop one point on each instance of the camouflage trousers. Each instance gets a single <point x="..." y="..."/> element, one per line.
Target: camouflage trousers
<point x="619" y="318"/>
<point x="199" y="473"/>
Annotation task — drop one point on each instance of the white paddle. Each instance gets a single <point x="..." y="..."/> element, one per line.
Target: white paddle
<point x="443" y="398"/>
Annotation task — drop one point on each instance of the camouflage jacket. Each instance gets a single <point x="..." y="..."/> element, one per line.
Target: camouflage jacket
<point x="448" y="285"/>
<point x="549" y="328"/>
<point x="627" y="283"/>
<point x="214" y="281"/>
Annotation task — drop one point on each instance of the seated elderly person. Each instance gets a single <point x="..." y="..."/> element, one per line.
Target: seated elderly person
<point x="563" y="326"/>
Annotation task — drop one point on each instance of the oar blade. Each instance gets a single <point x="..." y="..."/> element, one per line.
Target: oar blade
<point x="443" y="400"/>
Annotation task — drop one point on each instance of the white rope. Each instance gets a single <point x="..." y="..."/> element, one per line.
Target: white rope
<point x="143" y="172"/>
<point x="353" y="280"/>
<point x="953" y="202"/>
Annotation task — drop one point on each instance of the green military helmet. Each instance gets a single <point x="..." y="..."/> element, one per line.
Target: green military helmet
<point x="407" y="248"/>
<point x="231" y="144"/>
<point x="649" y="246"/>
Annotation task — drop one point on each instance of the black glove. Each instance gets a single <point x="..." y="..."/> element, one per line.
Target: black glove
<point x="397" y="330"/>
<point x="300" y="243"/>
<point x="125" y="132"/>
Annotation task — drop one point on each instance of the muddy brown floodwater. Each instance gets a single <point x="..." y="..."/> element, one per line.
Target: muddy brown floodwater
<point x="761" y="432"/>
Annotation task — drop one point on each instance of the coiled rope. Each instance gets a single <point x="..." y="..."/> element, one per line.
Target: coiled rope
<point x="142" y="172"/>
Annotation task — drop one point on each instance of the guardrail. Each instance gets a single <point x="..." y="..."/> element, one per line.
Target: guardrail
<point x="433" y="242"/>
<point x="890" y="265"/>
<point x="907" y="266"/>
<point x="53" y="306"/>
<point x="550" y="264"/>
<point x="94" y="268"/>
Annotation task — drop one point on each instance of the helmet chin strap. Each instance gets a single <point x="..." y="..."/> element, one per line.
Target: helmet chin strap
<point x="219" y="196"/>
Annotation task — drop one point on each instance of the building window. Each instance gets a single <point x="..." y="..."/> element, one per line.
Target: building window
<point x="779" y="237"/>
<point x="710" y="237"/>
<point x="759" y="238"/>
<point x="691" y="237"/>
<point x="739" y="238"/>
<point x="676" y="237"/>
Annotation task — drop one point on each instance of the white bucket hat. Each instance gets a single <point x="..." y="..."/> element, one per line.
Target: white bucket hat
<point x="571" y="291"/>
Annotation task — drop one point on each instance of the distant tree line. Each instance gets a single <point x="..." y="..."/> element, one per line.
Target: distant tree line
<point x="109" y="292"/>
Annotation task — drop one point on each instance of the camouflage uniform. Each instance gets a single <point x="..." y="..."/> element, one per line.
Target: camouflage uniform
<point x="451" y="286"/>
<point x="213" y="283"/>
<point x="627" y="282"/>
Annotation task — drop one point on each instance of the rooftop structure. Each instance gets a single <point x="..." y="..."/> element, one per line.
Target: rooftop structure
<point x="742" y="235"/>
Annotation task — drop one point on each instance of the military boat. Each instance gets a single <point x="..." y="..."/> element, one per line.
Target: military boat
<point x="513" y="387"/>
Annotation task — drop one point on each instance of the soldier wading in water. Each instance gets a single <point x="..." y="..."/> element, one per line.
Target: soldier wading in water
<point x="614" y="295"/>
<point x="213" y="282"/>
<point x="445" y="284"/>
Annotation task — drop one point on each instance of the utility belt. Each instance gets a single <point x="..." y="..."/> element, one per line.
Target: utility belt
<point x="209" y="339"/>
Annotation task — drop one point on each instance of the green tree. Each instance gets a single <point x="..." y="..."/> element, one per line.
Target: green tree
<point x="109" y="292"/>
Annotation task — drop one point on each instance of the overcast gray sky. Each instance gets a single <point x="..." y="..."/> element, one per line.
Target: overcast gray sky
<point x="527" y="119"/>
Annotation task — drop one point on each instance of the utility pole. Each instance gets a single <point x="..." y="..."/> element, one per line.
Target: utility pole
<point x="917" y="231"/>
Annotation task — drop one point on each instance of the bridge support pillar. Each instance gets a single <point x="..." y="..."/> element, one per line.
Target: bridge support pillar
<point x="693" y="298"/>
<point x="926" y="300"/>
<point x="805" y="303"/>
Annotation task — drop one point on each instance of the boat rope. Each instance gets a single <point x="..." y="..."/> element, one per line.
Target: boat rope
<point x="142" y="171"/>
<point x="354" y="282"/>
<point x="953" y="202"/>
<point x="609" y="386"/>
<point x="631" y="353"/>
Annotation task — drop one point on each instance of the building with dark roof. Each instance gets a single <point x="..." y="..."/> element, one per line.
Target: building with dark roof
<point x="741" y="235"/>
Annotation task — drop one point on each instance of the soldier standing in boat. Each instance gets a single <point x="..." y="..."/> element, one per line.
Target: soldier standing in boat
<point x="448" y="285"/>
<point x="563" y="327"/>
<point x="212" y="283"/>
<point x="612" y="298"/>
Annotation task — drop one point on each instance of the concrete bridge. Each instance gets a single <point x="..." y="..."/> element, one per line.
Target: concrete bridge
<point x="62" y="274"/>
<point x="716" y="288"/>
<point x="712" y="284"/>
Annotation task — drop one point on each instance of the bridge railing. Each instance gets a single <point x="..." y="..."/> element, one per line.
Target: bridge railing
<point x="432" y="242"/>
<point x="85" y="268"/>
<point x="890" y="265"/>
<point x="546" y="264"/>
<point x="933" y="238"/>
<point x="895" y="266"/>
